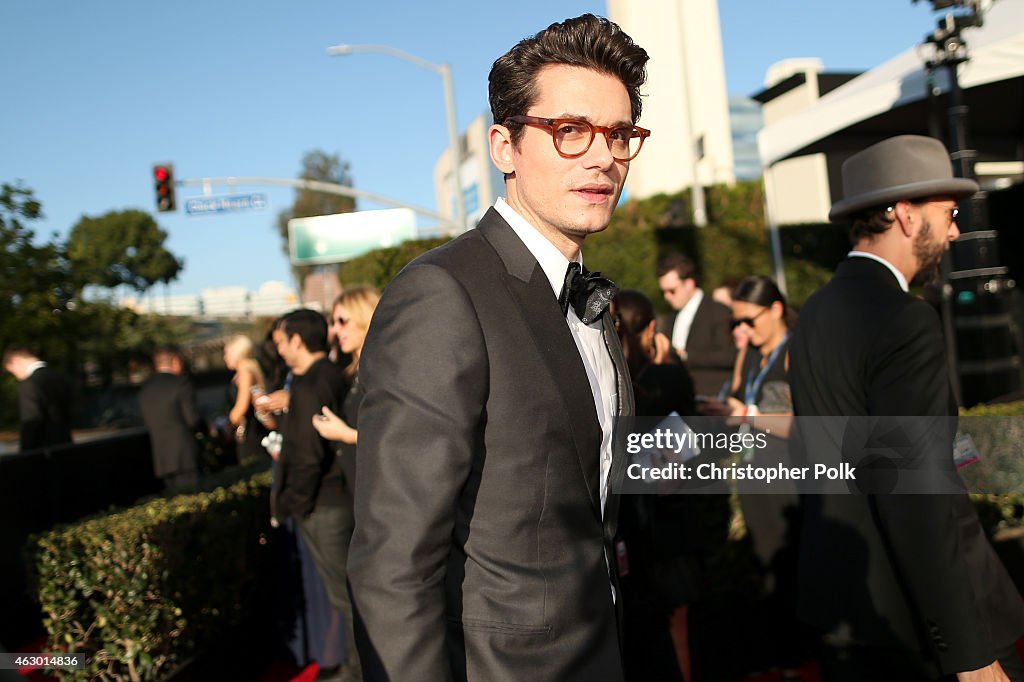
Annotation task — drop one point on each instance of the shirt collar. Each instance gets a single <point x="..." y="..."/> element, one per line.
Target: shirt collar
<point x="892" y="268"/>
<point x="690" y="309"/>
<point x="31" y="369"/>
<point x="551" y="260"/>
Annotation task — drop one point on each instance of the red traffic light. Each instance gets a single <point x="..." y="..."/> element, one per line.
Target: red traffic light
<point x="163" y="176"/>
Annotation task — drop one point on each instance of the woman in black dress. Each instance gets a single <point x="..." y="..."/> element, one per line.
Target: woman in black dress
<point x="247" y="383"/>
<point x="655" y="544"/>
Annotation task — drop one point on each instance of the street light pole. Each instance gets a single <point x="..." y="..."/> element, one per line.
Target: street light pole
<point x="445" y="72"/>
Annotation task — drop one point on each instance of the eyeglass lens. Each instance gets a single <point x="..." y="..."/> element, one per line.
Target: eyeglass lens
<point x="575" y="137"/>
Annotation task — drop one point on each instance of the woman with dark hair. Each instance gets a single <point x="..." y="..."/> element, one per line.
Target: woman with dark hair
<point x="762" y="402"/>
<point x="659" y="576"/>
<point x="760" y="308"/>
<point x="659" y="388"/>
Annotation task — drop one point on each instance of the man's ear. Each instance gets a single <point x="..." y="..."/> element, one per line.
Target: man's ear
<point x="904" y="217"/>
<point x="499" y="140"/>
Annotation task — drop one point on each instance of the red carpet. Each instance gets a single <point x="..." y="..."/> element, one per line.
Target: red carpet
<point x="281" y="671"/>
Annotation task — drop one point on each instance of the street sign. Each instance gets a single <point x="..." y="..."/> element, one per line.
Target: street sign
<point x="233" y="202"/>
<point x="343" y="236"/>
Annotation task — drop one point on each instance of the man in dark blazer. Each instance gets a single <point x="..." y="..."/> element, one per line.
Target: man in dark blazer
<point x="312" y="487"/>
<point x="698" y="327"/>
<point x="902" y="586"/>
<point x="44" y="399"/>
<point x="493" y="376"/>
<point x="170" y="411"/>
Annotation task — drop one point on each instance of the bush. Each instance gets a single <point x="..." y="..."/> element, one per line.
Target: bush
<point x="1005" y="511"/>
<point x="734" y="244"/>
<point x="140" y="591"/>
<point x="378" y="267"/>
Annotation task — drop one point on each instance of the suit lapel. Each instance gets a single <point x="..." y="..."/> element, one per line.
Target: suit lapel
<point x="531" y="290"/>
<point x="620" y="426"/>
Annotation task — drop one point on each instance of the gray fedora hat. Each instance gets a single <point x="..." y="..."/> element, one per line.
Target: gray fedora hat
<point x="903" y="167"/>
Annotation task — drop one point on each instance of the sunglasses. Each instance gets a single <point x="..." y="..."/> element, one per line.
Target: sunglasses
<point x="749" y="321"/>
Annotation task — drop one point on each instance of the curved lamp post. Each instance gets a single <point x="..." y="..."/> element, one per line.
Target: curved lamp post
<point x="445" y="71"/>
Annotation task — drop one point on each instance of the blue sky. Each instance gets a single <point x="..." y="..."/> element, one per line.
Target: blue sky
<point x="96" y="93"/>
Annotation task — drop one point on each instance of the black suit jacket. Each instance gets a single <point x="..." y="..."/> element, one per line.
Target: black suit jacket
<point x="910" y="571"/>
<point x="480" y="552"/>
<point x="171" y="414"/>
<point x="710" y="350"/>
<point x="309" y="470"/>
<point x="44" y="407"/>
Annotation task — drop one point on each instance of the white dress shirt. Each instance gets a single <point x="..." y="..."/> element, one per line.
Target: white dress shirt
<point x="684" y="320"/>
<point x="33" y="368"/>
<point x="892" y="268"/>
<point x="589" y="338"/>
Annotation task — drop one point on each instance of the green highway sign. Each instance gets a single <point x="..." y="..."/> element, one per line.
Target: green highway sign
<point x="343" y="236"/>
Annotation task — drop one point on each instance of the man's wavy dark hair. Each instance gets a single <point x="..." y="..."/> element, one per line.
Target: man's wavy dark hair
<point x="869" y="223"/>
<point x="586" y="41"/>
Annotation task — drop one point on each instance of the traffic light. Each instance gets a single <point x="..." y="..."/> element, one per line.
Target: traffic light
<point x="163" y="179"/>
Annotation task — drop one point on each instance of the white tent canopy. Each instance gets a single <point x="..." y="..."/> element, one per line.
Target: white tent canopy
<point x="996" y="52"/>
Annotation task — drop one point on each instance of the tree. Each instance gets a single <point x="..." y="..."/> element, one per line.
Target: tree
<point x="120" y="248"/>
<point x="41" y="284"/>
<point x="34" y="291"/>
<point x="316" y="165"/>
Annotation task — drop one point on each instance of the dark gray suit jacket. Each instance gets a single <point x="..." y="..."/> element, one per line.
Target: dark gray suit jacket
<point x="710" y="349"/>
<point x="169" y="409"/>
<point x="908" y="571"/>
<point x="479" y="551"/>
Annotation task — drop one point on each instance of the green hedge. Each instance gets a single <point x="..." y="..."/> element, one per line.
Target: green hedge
<point x="733" y="245"/>
<point x="999" y="512"/>
<point x="140" y="591"/>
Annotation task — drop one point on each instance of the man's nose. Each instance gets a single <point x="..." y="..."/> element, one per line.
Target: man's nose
<point x="600" y="152"/>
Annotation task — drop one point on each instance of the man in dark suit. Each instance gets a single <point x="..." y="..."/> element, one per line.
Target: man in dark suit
<point x="44" y="399"/>
<point x="698" y="326"/>
<point x="493" y="376"/>
<point x="170" y="411"/>
<point x="902" y="586"/>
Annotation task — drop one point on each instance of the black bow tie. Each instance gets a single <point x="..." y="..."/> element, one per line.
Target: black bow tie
<point x="588" y="292"/>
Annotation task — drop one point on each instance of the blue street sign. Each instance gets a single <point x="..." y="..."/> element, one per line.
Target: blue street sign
<point x="233" y="202"/>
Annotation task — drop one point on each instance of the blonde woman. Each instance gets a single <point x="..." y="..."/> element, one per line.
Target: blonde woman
<point x="247" y="382"/>
<point x="350" y="318"/>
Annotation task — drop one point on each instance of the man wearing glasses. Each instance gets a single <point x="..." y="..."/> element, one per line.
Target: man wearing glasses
<point x="698" y="326"/>
<point x="902" y="587"/>
<point x="493" y="374"/>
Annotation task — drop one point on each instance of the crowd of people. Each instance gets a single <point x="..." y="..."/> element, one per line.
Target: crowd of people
<point x="446" y="455"/>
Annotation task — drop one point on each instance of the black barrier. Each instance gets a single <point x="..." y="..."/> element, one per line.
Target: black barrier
<point x="41" y="488"/>
<point x="988" y="334"/>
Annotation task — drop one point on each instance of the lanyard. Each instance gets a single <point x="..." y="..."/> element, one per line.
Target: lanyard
<point x="754" y="384"/>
